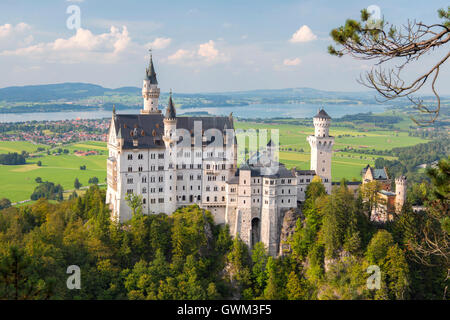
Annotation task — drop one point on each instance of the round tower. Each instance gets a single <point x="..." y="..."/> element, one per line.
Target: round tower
<point x="150" y="90"/>
<point x="322" y="122"/>
<point x="322" y="148"/>
<point x="400" y="193"/>
<point x="170" y="140"/>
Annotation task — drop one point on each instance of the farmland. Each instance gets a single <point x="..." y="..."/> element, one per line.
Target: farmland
<point x="18" y="182"/>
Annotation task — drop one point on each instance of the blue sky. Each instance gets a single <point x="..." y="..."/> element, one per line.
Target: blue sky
<point x="198" y="46"/>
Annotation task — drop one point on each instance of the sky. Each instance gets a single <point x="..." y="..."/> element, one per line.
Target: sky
<point x="198" y="46"/>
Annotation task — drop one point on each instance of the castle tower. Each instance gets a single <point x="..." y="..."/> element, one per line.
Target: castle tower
<point x="400" y="193"/>
<point x="322" y="148"/>
<point x="150" y="90"/>
<point x="170" y="140"/>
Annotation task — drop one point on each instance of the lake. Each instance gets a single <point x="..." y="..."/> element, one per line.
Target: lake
<point x="251" y="111"/>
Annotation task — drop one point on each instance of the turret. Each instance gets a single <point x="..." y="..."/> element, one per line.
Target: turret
<point x="170" y="140"/>
<point x="322" y="122"/>
<point x="150" y="90"/>
<point x="322" y="148"/>
<point x="400" y="193"/>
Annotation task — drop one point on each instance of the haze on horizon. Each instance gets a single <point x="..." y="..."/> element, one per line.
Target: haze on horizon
<point x="198" y="46"/>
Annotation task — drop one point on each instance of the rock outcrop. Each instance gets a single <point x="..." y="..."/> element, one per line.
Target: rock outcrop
<point x="287" y="228"/>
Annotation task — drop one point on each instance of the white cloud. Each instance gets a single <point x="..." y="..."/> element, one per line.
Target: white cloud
<point x="180" y="55"/>
<point x="8" y="30"/>
<point x="304" y="34"/>
<point x="82" y="46"/>
<point x="206" y="53"/>
<point x="159" y="43"/>
<point x="292" y="62"/>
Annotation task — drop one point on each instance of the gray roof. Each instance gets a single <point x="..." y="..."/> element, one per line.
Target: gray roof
<point x="349" y="183"/>
<point x="322" y="114"/>
<point x="259" y="171"/>
<point x="150" y="73"/>
<point x="379" y="174"/>
<point x="150" y="128"/>
<point x="387" y="193"/>
<point x="306" y="172"/>
<point x="170" y="110"/>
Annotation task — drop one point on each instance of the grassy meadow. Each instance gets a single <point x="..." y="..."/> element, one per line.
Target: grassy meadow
<point x="18" y="182"/>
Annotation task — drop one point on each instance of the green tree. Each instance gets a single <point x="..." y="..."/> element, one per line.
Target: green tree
<point x="259" y="261"/>
<point x="77" y="184"/>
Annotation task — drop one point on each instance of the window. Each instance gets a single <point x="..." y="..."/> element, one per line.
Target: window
<point x="144" y="201"/>
<point x="129" y="191"/>
<point x="144" y="190"/>
<point x="130" y="157"/>
<point x="140" y="156"/>
<point x="130" y="180"/>
<point x="161" y="156"/>
<point x="140" y="169"/>
<point x="144" y="179"/>
<point x="130" y="169"/>
<point x="161" y="200"/>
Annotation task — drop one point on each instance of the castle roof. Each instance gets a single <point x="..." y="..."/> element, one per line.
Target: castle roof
<point x="150" y="128"/>
<point x="322" y="114"/>
<point x="170" y="111"/>
<point x="150" y="73"/>
<point x="377" y="174"/>
<point x="306" y="172"/>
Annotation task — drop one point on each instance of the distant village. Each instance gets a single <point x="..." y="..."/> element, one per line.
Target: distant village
<point x="56" y="132"/>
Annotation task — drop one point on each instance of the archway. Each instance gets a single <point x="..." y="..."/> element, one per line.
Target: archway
<point x="256" y="231"/>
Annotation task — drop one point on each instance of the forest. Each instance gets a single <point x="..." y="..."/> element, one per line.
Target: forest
<point x="185" y="255"/>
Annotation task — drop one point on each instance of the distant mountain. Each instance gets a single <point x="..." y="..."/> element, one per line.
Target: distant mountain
<point x="75" y="91"/>
<point x="51" y="92"/>
<point x="85" y="96"/>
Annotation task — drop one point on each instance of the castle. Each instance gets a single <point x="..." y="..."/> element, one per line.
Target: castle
<point x="175" y="161"/>
<point x="389" y="202"/>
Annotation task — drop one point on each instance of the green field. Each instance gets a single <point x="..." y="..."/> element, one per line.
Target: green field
<point x="18" y="182"/>
<point x="344" y="164"/>
<point x="19" y="146"/>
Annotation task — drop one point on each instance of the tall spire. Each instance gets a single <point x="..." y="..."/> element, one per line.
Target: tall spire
<point x="150" y="73"/>
<point x="170" y="111"/>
